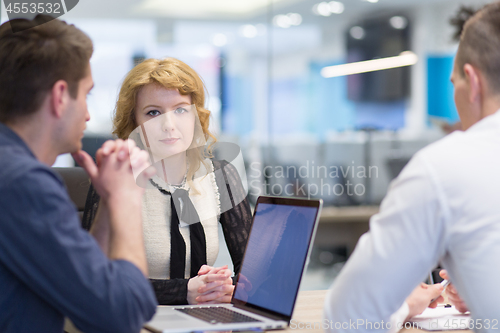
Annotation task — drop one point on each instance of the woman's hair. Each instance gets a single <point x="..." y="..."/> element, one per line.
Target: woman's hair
<point x="169" y="73"/>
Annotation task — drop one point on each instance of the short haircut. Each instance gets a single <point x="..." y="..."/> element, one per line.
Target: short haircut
<point x="34" y="59"/>
<point x="480" y="44"/>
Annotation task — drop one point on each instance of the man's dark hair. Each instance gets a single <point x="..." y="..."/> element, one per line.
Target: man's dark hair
<point x="480" y="43"/>
<point x="458" y="21"/>
<point x="34" y="59"/>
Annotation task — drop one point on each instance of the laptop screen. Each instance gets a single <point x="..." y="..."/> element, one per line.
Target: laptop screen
<point x="275" y="256"/>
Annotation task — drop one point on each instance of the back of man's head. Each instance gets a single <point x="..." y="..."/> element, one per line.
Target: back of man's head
<point x="34" y="59"/>
<point x="480" y="43"/>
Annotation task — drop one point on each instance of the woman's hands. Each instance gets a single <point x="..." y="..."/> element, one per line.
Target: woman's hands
<point x="211" y="285"/>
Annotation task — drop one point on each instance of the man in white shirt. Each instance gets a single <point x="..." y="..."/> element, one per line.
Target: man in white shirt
<point x="442" y="208"/>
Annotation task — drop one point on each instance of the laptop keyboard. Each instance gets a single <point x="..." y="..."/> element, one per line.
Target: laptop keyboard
<point x="217" y="314"/>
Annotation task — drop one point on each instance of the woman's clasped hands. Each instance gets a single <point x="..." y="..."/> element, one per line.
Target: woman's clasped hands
<point x="211" y="285"/>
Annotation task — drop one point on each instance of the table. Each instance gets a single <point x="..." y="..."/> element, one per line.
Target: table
<point x="308" y="308"/>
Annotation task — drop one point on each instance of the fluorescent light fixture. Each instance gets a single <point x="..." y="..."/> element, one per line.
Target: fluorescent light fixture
<point x="200" y="8"/>
<point x="406" y="58"/>
<point x="372" y="1"/>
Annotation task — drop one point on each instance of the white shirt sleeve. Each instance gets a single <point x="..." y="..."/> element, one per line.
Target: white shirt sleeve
<point x="390" y="260"/>
<point x="398" y="318"/>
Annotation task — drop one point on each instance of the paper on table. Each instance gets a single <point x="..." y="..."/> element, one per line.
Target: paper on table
<point x="441" y="319"/>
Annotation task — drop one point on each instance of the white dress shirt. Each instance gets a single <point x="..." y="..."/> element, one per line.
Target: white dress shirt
<point x="444" y="207"/>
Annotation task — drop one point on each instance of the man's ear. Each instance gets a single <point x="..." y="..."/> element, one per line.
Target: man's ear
<point x="60" y="98"/>
<point x="472" y="76"/>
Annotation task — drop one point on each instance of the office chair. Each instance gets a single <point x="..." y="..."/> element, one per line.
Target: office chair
<point x="77" y="182"/>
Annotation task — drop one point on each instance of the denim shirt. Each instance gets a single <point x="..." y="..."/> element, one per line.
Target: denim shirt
<point x="50" y="268"/>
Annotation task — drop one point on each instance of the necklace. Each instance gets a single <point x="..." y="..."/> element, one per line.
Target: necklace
<point x="181" y="185"/>
<point x="175" y="186"/>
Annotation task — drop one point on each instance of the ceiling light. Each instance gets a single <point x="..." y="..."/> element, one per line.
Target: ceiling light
<point x="198" y="8"/>
<point x="406" y="58"/>
<point x="295" y="18"/>
<point x="282" y="21"/>
<point x="357" y="32"/>
<point x="336" y="7"/>
<point x="248" y="31"/>
<point x="372" y="1"/>
<point x="322" y="9"/>
<point x="219" y="40"/>
<point x="398" y="22"/>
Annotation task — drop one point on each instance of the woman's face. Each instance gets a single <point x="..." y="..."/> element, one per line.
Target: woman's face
<point x="167" y="120"/>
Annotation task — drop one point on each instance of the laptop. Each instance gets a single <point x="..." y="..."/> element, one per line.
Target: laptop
<point x="275" y="259"/>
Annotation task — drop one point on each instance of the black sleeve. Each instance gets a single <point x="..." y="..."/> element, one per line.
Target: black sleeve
<point x="170" y="292"/>
<point x="91" y="205"/>
<point x="236" y="216"/>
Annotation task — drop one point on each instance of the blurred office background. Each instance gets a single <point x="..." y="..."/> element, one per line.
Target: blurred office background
<point x="301" y="132"/>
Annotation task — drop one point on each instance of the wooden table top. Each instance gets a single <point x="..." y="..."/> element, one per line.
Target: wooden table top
<point x="308" y="309"/>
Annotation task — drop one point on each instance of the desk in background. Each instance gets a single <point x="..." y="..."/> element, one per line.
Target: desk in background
<point x="342" y="226"/>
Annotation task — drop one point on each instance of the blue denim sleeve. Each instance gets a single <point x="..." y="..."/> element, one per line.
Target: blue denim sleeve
<point x="44" y="247"/>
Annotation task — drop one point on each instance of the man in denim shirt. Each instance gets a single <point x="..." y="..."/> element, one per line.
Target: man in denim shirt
<point x="50" y="268"/>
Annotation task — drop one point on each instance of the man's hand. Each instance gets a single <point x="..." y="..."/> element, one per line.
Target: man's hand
<point x="118" y="226"/>
<point x="453" y="295"/>
<point x="421" y="296"/>
<point x="113" y="173"/>
<point x="211" y="285"/>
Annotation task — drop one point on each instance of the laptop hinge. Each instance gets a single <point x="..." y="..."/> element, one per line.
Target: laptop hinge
<point x="262" y="313"/>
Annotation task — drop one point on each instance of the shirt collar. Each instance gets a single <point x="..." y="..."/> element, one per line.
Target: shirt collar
<point x="485" y="122"/>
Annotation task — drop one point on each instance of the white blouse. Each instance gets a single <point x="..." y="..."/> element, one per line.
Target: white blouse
<point x="156" y="215"/>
